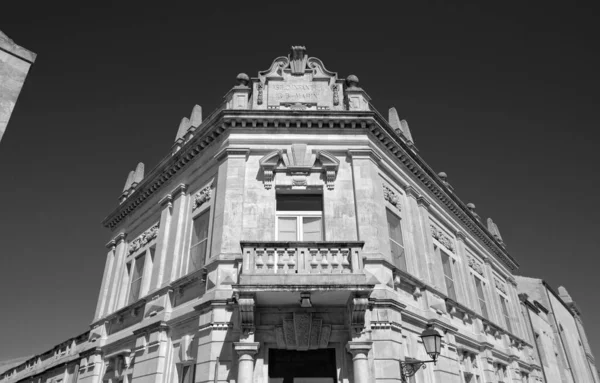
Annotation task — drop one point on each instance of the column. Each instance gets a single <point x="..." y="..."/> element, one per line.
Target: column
<point x="467" y="298"/>
<point x="434" y="266"/>
<point x="117" y="274"/>
<point x="162" y="240"/>
<point x="493" y="302"/>
<point x="246" y="351"/>
<point x="105" y="287"/>
<point x="177" y="229"/>
<point x="413" y="244"/>
<point x="360" y="360"/>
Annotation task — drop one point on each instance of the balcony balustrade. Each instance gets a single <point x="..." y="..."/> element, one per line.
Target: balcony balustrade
<point x="323" y="257"/>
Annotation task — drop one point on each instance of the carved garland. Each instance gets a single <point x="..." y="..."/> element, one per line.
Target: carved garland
<point x="442" y="238"/>
<point x="500" y="286"/>
<point x="478" y="267"/>
<point x="336" y="96"/>
<point x="202" y="196"/>
<point x="391" y="197"/>
<point x="144" y="238"/>
<point x="259" y="98"/>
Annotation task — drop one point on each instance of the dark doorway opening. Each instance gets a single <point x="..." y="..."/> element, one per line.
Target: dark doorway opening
<point x="289" y="364"/>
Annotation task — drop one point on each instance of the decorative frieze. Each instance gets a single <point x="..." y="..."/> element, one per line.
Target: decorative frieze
<point x="475" y="265"/>
<point x="202" y="196"/>
<point x="391" y="196"/>
<point x="442" y="238"/>
<point x="259" y="89"/>
<point x="144" y="238"/>
<point x="336" y="96"/>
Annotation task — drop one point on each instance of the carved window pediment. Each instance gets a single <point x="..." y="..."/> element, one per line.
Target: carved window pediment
<point x="299" y="162"/>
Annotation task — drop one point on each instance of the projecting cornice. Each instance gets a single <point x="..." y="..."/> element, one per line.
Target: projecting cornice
<point x="222" y="120"/>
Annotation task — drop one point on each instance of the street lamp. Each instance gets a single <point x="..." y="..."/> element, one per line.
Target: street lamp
<point x="432" y="340"/>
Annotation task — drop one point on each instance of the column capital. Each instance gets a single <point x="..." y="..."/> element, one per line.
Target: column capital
<point x="422" y="201"/>
<point x="246" y="348"/>
<point x="180" y="189"/>
<point x="116" y="240"/>
<point x="461" y="236"/>
<point x="359" y="347"/>
<point x="411" y="191"/>
<point x="366" y="153"/>
<point x="232" y="152"/>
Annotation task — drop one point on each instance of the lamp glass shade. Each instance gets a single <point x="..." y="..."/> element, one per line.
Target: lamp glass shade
<point x="432" y="340"/>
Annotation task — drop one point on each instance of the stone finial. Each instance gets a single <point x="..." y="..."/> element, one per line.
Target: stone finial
<point x="352" y="81"/>
<point x="242" y="79"/>
<point x="196" y="117"/>
<point x="184" y="125"/>
<point x="129" y="181"/>
<point x="564" y="294"/>
<point x="471" y="207"/>
<point x="139" y="174"/>
<point x="443" y="176"/>
<point x="406" y="130"/>
<point x="298" y="59"/>
<point x="493" y="229"/>
<point x="394" y="119"/>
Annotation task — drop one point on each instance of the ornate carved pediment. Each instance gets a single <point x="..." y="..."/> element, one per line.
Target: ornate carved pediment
<point x="302" y="332"/>
<point x="298" y="82"/>
<point x="442" y="238"/>
<point x="299" y="162"/>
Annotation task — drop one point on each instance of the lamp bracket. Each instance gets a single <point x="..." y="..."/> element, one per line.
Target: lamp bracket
<point x="411" y="366"/>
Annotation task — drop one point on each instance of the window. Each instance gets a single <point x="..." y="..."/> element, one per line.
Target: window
<point x="136" y="270"/>
<point x="299" y="217"/>
<point x="480" y="296"/>
<point x="187" y="373"/>
<point x="396" y="242"/>
<point x="199" y="242"/>
<point x="504" y="304"/>
<point x="447" y="266"/>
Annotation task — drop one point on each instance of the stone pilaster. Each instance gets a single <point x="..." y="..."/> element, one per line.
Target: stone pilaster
<point x="90" y="366"/>
<point x="246" y="351"/>
<point x="178" y="228"/>
<point x="492" y="300"/>
<point x="434" y="265"/>
<point x="103" y="296"/>
<point x="446" y="368"/>
<point x="162" y="241"/>
<point x="518" y="321"/>
<point x="151" y="350"/>
<point x="371" y="214"/>
<point x="415" y="244"/>
<point x="360" y="360"/>
<point x="466" y="296"/>
<point x="116" y="294"/>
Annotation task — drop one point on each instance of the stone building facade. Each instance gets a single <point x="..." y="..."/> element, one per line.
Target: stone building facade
<point x="15" y="62"/>
<point x="296" y="235"/>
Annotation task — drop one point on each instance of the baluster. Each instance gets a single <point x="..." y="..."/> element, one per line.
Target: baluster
<point x="291" y="264"/>
<point x="259" y="263"/>
<point x="280" y="261"/>
<point x="313" y="261"/>
<point x="324" y="262"/>
<point x="335" y="264"/>
<point x="345" y="261"/>
<point x="270" y="261"/>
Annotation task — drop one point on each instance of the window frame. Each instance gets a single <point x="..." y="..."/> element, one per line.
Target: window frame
<point x="208" y="211"/>
<point x="441" y="251"/>
<point x="148" y="251"/>
<point x="388" y="212"/>
<point x="299" y="215"/>
<point x="482" y="281"/>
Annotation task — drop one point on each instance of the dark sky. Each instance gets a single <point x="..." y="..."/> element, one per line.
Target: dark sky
<point x="502" y="96"/>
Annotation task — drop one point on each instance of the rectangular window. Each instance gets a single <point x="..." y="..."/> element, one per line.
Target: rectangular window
<point x="396" y="241"/>
<point x="299" y="217"/>
<point x="480" y="295"/>
<point x="199" y="242"/>
<point x="447" y="266"/>
<point x="137" y="270"/>
<point x="187" y="374"/>
<point x="504" y="304"/>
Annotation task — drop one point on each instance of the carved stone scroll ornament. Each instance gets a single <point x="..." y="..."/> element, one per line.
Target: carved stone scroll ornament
<point x="442" y="238"/>
<point x="299" y="162"/>
<point x="202" y="196"/>
<point x="357" y="309"/>
<point x="144" y="238"/>
<point x="246" y="305"/>
<point x="259" y="98"/>
<point x="391" y="197"/>
<point x="302" y="332"/>
<point x="336" y="95"/>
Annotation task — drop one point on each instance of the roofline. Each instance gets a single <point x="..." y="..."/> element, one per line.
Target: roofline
<point x="221" y="120"/>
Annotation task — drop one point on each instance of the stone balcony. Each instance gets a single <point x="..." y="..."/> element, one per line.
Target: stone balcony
<point x="295" y="267"/>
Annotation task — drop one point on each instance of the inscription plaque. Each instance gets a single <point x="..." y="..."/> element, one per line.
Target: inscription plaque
<point x="290" y="93"/>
